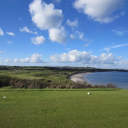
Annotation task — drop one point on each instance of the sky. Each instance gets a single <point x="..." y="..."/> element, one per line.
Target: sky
<point x="76" y="33"/>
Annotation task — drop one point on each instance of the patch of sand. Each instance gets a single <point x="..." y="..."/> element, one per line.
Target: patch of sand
<point x="78" y="77"/>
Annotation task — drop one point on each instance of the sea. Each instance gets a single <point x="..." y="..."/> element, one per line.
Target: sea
<point x="118" y="78"/>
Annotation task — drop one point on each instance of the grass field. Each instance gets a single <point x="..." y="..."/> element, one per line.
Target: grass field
<point x="23" y="108"/>
<point x="56" y="77"/>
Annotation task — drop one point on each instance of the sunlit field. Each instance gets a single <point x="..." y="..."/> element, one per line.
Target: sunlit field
<point x="103" y="108"/>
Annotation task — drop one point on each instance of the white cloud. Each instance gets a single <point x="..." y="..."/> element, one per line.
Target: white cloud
<point x="119" y="33"/>
<point x="9" y="42"/>
<point x="113" y="47"/>
<point x="38" y="40"/>
<point x="8" y="61"/>
<point x="84" y="58"/>
<point x="71" y="56"/>
<point x="72" y="23"/>
<point x="123" y="63"/>
<point x="26" y="60"/>
<point x="107" y="58"/>
<point x="44" y="15"/>
<point x="35" y="58"/>
<point x="1" y="32"/>
<point x="72" y="36"/>
<point x="16" y="60"/>
<point x="25" y="29"/>
<point x="99" y="10"/>
<point x="120" y="57"/>
<point x="11" y="33"/>
<point x="58" y="35"/>
<point x="80" y="35"/>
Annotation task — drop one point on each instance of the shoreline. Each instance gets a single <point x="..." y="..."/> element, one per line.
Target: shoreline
<point x="78" y="77"/>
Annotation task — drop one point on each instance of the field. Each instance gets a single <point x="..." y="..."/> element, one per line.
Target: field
<point x="39" y="74"/>
<point x="28" y="100"/>
<point x="50" y="108"/>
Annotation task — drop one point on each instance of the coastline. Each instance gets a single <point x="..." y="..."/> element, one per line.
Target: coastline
<point x="78" y="77"/>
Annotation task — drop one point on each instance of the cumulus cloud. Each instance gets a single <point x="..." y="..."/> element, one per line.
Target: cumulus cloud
<point x="25" y="29"/>
<point x="71" y="56"/>
<point x="122" y="63"/>
<point x="77" y="34"/>
<point x="8" y="61"/>
<point x="1" y="32"/>
<point x="107" y="58"/>
<point x="104" y="60"/>
<point x="84" y="58"/>
<point x="44" y="15"/>
<point x="58" y="35"/>
<point x="72" y="23"/>
<point x="99" y="10"/>
<point x="11" y="33"/>
<point x="16" y="60"/>
<point x="26" y="60"/>
<point x="35" y="58"/>
<point x="38" y="40"/>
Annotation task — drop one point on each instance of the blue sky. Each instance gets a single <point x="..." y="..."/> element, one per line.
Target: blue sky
<point x="64" y="33"/>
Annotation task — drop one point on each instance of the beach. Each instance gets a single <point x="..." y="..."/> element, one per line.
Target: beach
<point x="77" y="77"/>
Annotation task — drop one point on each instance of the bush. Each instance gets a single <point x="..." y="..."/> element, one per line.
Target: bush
<point x="84" y="84"/>
<point x="4" y="81"/>
<point x="27" y="83"/>
<point x="110" y="85"/>
<point x="79" y="84"/>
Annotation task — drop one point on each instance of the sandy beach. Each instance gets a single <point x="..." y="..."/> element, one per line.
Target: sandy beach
<point x="77" y="77"/>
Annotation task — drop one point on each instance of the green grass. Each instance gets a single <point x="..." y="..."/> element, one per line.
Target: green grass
<point x="24" y="108"/>
<point x="55" y="76"/>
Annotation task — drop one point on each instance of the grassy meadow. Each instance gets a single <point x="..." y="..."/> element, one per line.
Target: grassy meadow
<point x="28" y="100"/>
<point x="55" y="78"/>
<point x="50" y="108"/>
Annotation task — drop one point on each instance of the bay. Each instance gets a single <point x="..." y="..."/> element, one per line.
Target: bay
<point x="115" y="77"/>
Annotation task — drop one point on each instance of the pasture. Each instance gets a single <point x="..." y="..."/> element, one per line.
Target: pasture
<point x="61" y="108"/>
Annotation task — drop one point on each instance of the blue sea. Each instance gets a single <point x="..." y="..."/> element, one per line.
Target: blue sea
<point x="115" y="77"/>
